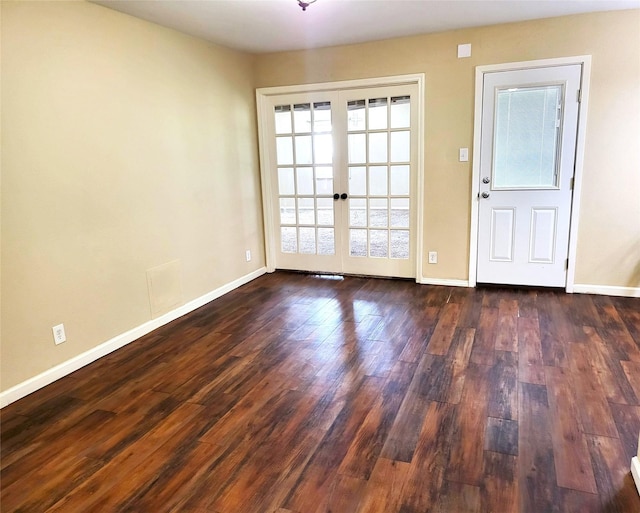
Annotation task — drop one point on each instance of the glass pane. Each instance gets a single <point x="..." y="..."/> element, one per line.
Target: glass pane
<point x="323" y="148"/>
<point x="325" y="211"/>
<point x="322" y="117"/>
<point x="305" y="180"/>
<point x="379" y="243"/>
<point x="358" y="212"/>
<point x="307" y="240"/>
<point x="377" y="113"/>
<point x="283" y="119"/>
<point x="357" y="148"/>
<point x="400" y="180"/>
<point x="306" y="211"/>
<point x="287" y="211"/>
<point x="284" y="151"/>
<point x="324" y="181"/>
<point x="400" y="112"/>
<point x="400" y="145"/>
<point x="400" y="212"/>
<point x="527" y="128"/>
<point x="303" y="149"/>
<point x="356" y="115"/>
<point x="285" y="181"/>
<point x="326" y="241"/>
<point x="302" y="117"/>
<point x="378" y="147"/>
<point x="378" y="180"/>
<point x="358" y="243"/>
<point x="400" y="244"/>
<point x="357" y="181"/>
<point x="378" y="213"/>
<point x="288" y="240"/>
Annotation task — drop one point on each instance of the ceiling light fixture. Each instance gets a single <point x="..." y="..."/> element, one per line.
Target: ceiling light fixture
<point x="306" y="4"/>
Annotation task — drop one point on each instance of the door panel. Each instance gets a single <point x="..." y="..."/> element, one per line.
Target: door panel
<point x="381" y="180"/>
<point x="529" y="127"/>
<point x="304" y="182"/>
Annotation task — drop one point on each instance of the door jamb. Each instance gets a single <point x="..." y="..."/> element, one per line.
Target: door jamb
<point x="267" y="159"/>
<point x="585" y="62"/>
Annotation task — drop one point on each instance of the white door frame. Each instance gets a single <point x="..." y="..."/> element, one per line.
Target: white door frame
<point x="585" y="62"/>
<point x="267" y="160"/>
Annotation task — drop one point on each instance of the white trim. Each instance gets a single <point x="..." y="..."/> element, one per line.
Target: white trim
<point x="635" y="471"/>
<point x="422" y="102"/>
<point x="263" y="93"/>
<point x="415" y="78"/>
<point x="585" y="62"/>
<point x="444" y="281"/>
<point x="59" y="371"/>
<point x="606" y="290"/>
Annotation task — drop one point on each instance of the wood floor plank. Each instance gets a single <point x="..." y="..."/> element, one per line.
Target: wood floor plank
<point x="442" y="336"/>
<point x="298" y="393"/>
<point x="530" y="362"/>
<point x="430" y="459"/>
<point x="536" y="467"/>
<point x="571" y="455"/>
<point x="503" y="399"/>
<point x="507" y="329"/>
<point x="499" y="490"/>
<point x="611" y="467"/>
<point x="466" y="460"/>
<point x="483" y="352"/>
<point x="383" y="492"/>
<point x="595" y="412"/>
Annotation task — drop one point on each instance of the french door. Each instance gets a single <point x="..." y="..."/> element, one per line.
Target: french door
<point x="529" y="130"/>
<point x="341" y="167"/>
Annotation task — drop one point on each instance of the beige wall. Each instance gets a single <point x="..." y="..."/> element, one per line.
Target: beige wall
<point x="609" y="236"/>
<point x="125" y="146"/>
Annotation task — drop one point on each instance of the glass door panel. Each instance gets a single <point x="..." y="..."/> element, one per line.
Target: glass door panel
<point x="305" y="183"/>
<point x="381" y="148"/>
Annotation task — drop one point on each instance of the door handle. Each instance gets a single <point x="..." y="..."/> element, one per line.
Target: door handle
<point x="336" y="196"/>
<point x="486" y="179"/>
<point x="344" y="196"/>
<point x="485" y="195"/>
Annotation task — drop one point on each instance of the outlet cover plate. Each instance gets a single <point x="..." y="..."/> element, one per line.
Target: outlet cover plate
<point x="59" y="335"/>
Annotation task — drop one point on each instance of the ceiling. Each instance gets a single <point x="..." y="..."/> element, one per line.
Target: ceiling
<point x="260" y="26"/>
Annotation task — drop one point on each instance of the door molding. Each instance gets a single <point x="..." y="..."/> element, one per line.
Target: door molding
<point x="267" y="160"/>
<point x="585" y="62"/>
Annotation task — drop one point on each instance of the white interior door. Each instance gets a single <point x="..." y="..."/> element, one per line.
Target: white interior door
<point x="529" y="127"/>
<point x="343" y="180"/>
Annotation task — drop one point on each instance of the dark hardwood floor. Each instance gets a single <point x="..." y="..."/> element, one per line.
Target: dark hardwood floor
<point x="304" y="394"/>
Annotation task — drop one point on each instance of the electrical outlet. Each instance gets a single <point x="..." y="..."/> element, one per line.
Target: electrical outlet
<point x="433" y="257"/>
<point x="248" y="255"/>
<point x="58" y="334"/>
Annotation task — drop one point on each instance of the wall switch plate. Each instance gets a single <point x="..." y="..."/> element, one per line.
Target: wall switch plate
<point x="464" y="50"/>
<point x="433" y="257"/>
<point x="58" y="334"/>
<point x="463" y="155"/>
<point x="248" y="255"/>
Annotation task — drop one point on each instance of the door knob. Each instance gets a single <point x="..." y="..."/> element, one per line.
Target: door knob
<point x="336" y="196"/>
<point x="344" y="196"/>
<point x="485" y="195"/>
<point x="486" y="179"/>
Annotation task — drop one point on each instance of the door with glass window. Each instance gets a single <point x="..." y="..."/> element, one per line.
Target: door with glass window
<point x="343" y="180"/>
<point x="529" y="127"/>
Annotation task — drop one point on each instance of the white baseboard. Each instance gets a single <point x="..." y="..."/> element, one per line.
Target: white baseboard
<point x="606" y="290"/>
<point x="635" y="471"/>
<point x="444" y="281"/>
<point x="49" y="376"/>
